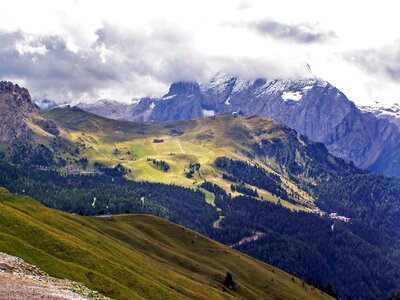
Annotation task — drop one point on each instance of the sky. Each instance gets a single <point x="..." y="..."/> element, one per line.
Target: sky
<point x="84" y="50"/>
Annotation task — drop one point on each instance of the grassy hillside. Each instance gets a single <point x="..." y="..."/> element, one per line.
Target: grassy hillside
<point x="201" y="141"/>
<point x="137" y="256"/>
<point x="254" y="155"/>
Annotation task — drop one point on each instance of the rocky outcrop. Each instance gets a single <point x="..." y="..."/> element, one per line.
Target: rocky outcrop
<point x="15" y="106"/>
<point x="186" y="100"/>
<point x="20" y="280"/>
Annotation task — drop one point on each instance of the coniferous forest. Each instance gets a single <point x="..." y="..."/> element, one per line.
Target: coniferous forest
<point x="307" y="245"/>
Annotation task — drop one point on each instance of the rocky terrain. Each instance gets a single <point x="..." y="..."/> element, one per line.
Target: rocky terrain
<point x="15" y="105"/>
<point x="20" y="280"/>
<point x="110" y="108"/>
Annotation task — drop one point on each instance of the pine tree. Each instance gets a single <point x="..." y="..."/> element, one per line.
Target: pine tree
<point x="228" y="282"/>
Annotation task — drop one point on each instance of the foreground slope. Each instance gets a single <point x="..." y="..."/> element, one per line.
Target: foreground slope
<point x="137" y="256"/>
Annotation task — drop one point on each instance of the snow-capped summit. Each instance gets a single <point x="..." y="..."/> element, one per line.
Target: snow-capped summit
<point x="389" y="112"/>
<point x="219" y="83"/>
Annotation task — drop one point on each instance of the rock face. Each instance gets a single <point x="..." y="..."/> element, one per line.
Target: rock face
<point x="313" y="107"/>
<point x="109" y="108"/>
<point x="15" y="106"/>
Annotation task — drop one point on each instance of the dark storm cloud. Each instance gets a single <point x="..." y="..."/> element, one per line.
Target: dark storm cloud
<point x="164" y="53"/>
<point x="57" y="69"/>
<point x="116" y="58"/>
<point x="127" y="63"/>
<point x="383" y="61"/>
<point x="301" y="33"/>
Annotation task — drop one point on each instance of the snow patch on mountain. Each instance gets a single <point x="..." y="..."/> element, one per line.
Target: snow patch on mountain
<point x="389" y="112"/>
<point x="208" y="113"/>
<point x="168" y="97"/>
<point x="307" y="88"/>
<point x="293" y="96"/>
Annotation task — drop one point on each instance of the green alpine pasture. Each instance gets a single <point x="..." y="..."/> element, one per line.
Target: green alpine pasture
<point x="131" y="144"/>
<point x="137" y="256"/>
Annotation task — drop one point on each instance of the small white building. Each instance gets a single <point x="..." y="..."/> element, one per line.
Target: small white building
<point x="72" y="169"/>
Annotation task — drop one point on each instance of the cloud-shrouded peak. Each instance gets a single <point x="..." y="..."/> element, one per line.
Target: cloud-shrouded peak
<point x="79" y="51"/>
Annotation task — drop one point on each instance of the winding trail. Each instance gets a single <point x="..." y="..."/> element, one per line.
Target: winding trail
<point x="102" y="154"/>
<point x="216" y="223"/>
<point x="180" y="147"/>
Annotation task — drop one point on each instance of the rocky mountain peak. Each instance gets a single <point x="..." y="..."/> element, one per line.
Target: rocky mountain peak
<point x="16" y="96"/>
<point x="15" y="105"/>
<point x="184" y="88"/>
<point x="7" y="87"/>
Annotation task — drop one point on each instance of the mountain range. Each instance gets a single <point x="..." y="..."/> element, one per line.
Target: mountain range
<point x="246" y="181"/>
<point x="389" y="112"/>
<point x="312" y="107"/>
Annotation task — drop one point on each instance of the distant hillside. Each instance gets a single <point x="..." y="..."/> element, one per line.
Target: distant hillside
<point x="276" y="148"/>
<point x="137" y="256"/>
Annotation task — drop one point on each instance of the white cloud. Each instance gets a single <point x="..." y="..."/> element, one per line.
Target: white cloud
<point x="85" y="49"/>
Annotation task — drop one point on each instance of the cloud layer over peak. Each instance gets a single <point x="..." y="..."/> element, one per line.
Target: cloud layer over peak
<point x="84" y="50"/>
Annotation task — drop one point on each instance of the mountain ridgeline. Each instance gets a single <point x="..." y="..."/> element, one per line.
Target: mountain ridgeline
<point x="313" y="107"/>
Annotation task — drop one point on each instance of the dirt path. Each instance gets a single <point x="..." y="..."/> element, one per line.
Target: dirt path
<point x="180" y="147"/>
<point x="246" y="240"/>
<point x="216" y="223"/>
<point x="101" y="153"/>
<point x="20" y="280"/>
